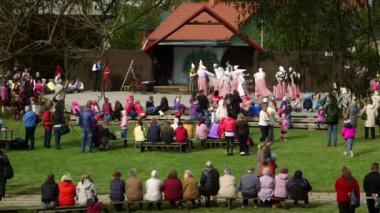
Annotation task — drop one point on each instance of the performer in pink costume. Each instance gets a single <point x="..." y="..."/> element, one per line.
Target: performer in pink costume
<point x="261" y="89"/>
<point x="224" y="85"/>
<point x="234" y="76"/>
<point x="293" y="90"/>
<point x="202" y="77"/>
<point x="219" y="72"/>
<point x="279" y="89"/>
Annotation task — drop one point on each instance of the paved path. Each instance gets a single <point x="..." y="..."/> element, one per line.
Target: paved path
<point x="15" y="201"/>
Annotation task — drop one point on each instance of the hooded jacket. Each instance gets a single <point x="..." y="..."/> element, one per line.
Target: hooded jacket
<point x="85" y="190"/>
<point x="298" y="186"/>
<point x="153" y="189"/>
<point x="209" y="183"/>
<point x="281" y="185"/>
<point x="189" y="188"/>
<point x="67" y="193"/>
<point x="49" y="191"/>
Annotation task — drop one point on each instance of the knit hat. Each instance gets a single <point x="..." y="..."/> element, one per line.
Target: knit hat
<point x="284" y="171"/>
<point x="154" y="174"/>
<point x="208" y="164"/>
<point x="66" y="177"/>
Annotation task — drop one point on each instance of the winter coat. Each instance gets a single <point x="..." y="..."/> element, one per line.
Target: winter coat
<point x="209" y="183"/>
<point x="139" y="109"/>
<point x="371" y="183"/>
<point x="67" y="193"/>
<point x="117" y="189"/>
<point x="181" y="135"/>
<point x="154" y="131"/>
<point x="242" y="126"/>
<point x="371" y="115"/>
<point x="153" y="189"/>
<point x="86" y="119"/>
<point x="201" y="132"/>
<point x="190" y="189"/>
<point x="172" y="189"/>
<point x="134" y="189"/>
<point x="284" y="124"/>
<point x="194" y="110"/>
<point x="227" y="186"/>
<point x="30" y="119"/>
<point x="344" y="187"/>
<point x="249" y="185"/>
<point x="85" y="190"/>
<point x="47" y="118"/>
<point x="298" y="187"/>
<point x="167" y="134"/>
<point x="124" y="120"/>
<point x="75" y="108"/>
<point x="348" y="132"/>
<point x="267" y="188"/>
<point x="264" y="118"/>
<point x="353" y="112"/>
<point x="281" y="185"/>
<point x="190" y="130"/>
<point x="49" y="191"/>
<point x="308" y="103"/>
<point x="229" y="125"/>
<point x="140" y="133"/>
<point x="332" y="114"/>
<point x="214" y="131"/>
<point x="321" y="115"/>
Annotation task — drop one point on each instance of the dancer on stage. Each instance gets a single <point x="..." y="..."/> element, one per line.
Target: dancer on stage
<point x="279" y="90"/>
<point x="192" y="78"/>
<point x="261" y="89"/>
<point x="293" y="91"/>
<point x="225" y="87"/>
<point x="219" y="72"/>
<point x="234" y="76"/>
<point x="202" y="77"/>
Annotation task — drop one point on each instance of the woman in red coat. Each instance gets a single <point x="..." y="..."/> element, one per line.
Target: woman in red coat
<point x="229" y="132"/>
<point x="47" y="118"/>
<point x="67" y="191"/>
<point x="343" y="187"/>
<point x="172" y="188"/>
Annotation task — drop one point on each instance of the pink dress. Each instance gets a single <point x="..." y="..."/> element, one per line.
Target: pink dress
<point x="225" y="87"/>
<point x="293" y="90"/>
<point x="261" y="89"/>
<point x="321" y="116"/>
<point x="279" y="90"/>
<point x="202" y="84"/>
<point x="75" y="108"/>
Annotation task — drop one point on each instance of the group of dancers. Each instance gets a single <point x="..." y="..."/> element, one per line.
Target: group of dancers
<point x="231" y="78"/>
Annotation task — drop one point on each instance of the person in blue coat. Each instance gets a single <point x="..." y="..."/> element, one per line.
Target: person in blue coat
<point x="30" y="121"/>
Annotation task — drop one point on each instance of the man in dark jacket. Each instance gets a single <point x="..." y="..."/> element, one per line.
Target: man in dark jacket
<point x="203" y="105"/>
<point x="209" y="183"/>
<point x="86" y="122"/>
<point x="371" y="185"/>
<point x="49" y="193"/>
<point x="167" y="133"/>
<point x="154" y="131"/>
<point x="299" y="188"/>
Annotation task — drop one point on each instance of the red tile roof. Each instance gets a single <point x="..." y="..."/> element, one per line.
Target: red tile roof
<point x="197" y="32"/>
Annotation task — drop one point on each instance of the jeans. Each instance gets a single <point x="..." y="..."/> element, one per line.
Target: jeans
<point x="331" y="128"/>
<point x="270" y="133"/>
<point x="57" y="136"/>
<point x="243" y="142"/>
<point x="86" y="135"/>
<point x="29" y="134"/>
<point x="152" y="110"/>
<point x="372" y="131"/>
<point x="206" y="114"/>
<point x="349" y="144"/>
<point x="107" y="117"/>
<point x="289" y="119"/>
<point x="264" y="133"/>
<point x="124" y="134"/>
<point x="346" y="208"/>
<point x="47" y="138"/>
<point x="230" y="145"/>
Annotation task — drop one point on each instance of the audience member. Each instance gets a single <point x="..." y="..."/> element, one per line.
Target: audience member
<point x="164" y="106"/>
<point x="116" y="115"/>
<point x="203" y="105"/>
<point x="175" y="123"/>
<point x="86" y="122"/>
<point x="242" y="130"/>
<point x="201" y="131"/>
<point x="134" y="187"/>
<point x="30" y="120"/>
<point x="67" y="191"/>
<point x="209" y="182"/>
<point x="348" y="134"/>
<point x="283" y="127"/>
<point x="227" y="185"/>
<point x="167" y="133"/>
<point x="189" y="187"/>
<point x="86" y="191"/>
<point x="172" y="188"/>
<point x="47" y="118"/>
<point x="154" y="131"/>
<point x="150" y="108"/>
<point x="267" y="187"/>
<point x="124" y="126"/>
<point x="221" y="111"/>
<point x="281" y="185"/>
<point x="345" y="185"/>
<point x="153" y="190"/>
<point x="371" y="186"/>
<point x="229" y="133"/>
<point x="332" y="119"/>
<point x="181" y="135"/>
<point x="140" y="132"/>
<point x="139" y="109"/>
<point x="107" y="110"/>
<point x="49" y="193"/>
<point x="249" y="185"/>
<point x="299" y="188"/>
<point x="117" y="190"/>
<point x="75" y="108"/>
<point x="59" y="120"/>
<point x="369" y="124"/>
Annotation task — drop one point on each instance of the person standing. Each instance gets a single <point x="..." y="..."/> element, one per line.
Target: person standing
<point x="59" y="95"/>
<point x="353" y="112"/>
<point x="371" y="186"/>
<point x="264" y="120"/>
<point x="344" y="186"/>
<point x="229" y="132"/>
<point x="86" y="122"/>
<point x="124" y="126"/>
<point x="203" y="104"/>
<point x="30" y="122"/>
<point x="59" y="120"/>
<point x="243" y="134"/>
<point x="369" y="124"/>
<point x="4" y="163"/>
<point x="47" y="118"/>
<point x="332" y="119"/>
<point x="348" y="133"/>
<point x="96" y="68"/>
<point x="117" y="190"/>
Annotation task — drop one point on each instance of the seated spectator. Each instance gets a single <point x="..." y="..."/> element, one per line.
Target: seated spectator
<point x="214" y="131"/>
<point x="75" y="108"/>
<point x="308" y="103"/>
<point x="209" y="183"/>
<point x="153" y="190"/>
<point x="167" y="133"/>
<point x="130" y="109"/>
<point x="181" y="135"/>
<point x="164" y="106"/>
<point x="139" y="109"/>
<point x="189" y="187"/>
<point x="71" y="88"/>
<point x="190" y="130"/>
<point x="227" y="185"/>
<point x="175" y="123"/>
<point x="267" y="187"/>
<point x="117" y="190"/>
<point x="86" y="191"/>
<point x="133" y="187"/>
<point x="281" y="185"/>
<point x="49" y="193"/>
<point x="201" y="131"/>
<point x="67" y="191"/>
<point x="139" y="131"/>
<point x="154" y="131"/>
<point x="214" y="99"/>
<point x="107" y="110"/>
<point x="150" y="108"/>
<point x="116" y="115"/>
<point x="194" y="109"/>
<point x="297" y="105"/>
<point x="249" y="185"/>
<point x="80" y="86"/>
<point x="299" y="188"/>
<point x="104" y="137"/>
<point x="172" y="188"/>
<point x="178" y="107"/>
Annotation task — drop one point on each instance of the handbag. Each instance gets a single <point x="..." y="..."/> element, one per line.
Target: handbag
<point x="249" y="141"/>
<point x="354" y="201"/>
<point x="8" y="171"/>
<point x="89" y="201"/>
<point x="377" y="203"/>
<point x="65" y="129"/>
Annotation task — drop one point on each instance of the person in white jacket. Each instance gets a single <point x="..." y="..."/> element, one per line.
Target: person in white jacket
<point x="86" y="191"/>
<point x="221" y="111"/>
<point x="153" y="189"/>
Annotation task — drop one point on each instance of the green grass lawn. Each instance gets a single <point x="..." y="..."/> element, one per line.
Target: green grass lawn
<point x="304" y="150"/>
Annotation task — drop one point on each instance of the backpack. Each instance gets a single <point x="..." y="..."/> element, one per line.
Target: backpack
<point x="331" y="114"/>
<point x="97" y="207"/>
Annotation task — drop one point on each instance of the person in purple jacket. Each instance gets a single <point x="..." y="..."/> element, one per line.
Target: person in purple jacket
<point x="348" y="133"/>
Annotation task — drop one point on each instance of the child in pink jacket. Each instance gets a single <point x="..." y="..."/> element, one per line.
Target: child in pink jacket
<point x="320" y="117"/>
<point x="348" y="133"/>
<point x="283" y="126"/>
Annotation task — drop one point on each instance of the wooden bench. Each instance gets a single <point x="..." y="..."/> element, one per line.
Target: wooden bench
<point x="217" y="142"/>
<point x="141" y="203"/>
<point x="64" y="209"/>
<point x="181" y="147"/>
<point x="230" y="200"/>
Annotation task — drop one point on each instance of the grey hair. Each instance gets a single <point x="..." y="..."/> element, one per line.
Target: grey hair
<point x="188" y="173"/>
<point x="133" y="172"/>
<point x="227" y="171"/>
